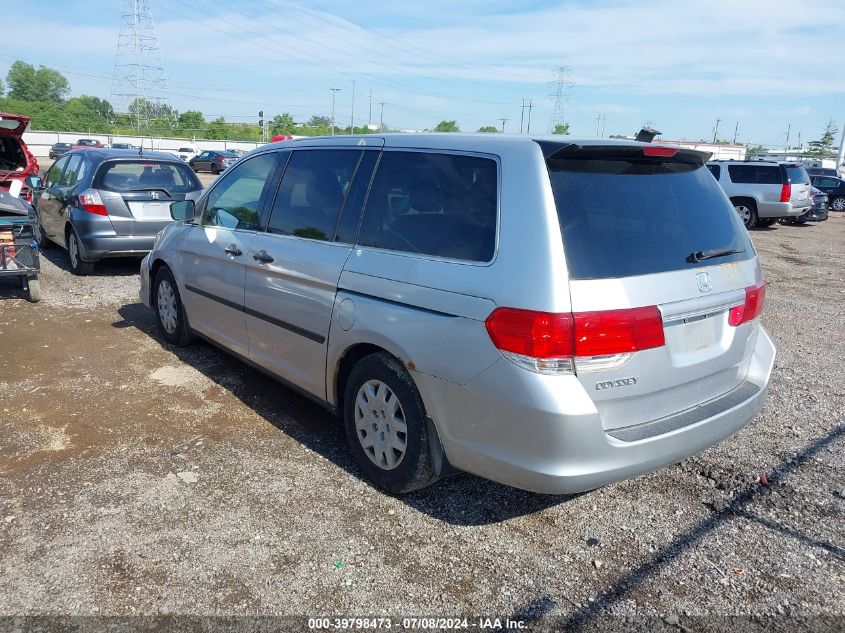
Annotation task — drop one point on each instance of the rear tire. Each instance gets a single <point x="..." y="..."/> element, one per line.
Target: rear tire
<point x="386" y="425"/>
<point x="766" y="221"/>
<point x="33" y="289"/>
<point x="214" y="169"/>
<point x="169" y="310"/>
<point x="838" y="203"/>
<point x="747" y="210"/>
<point x="76" y="253"/>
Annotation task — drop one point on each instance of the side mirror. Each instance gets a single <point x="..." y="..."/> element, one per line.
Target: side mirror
<point x="33" y="182"/>
<point x="182" y="210"/>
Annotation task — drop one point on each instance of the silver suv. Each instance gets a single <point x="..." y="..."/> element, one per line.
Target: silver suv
<point x="763" y="192"/>
<point x="551" y="314"/>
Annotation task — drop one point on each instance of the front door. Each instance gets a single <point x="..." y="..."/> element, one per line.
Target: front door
<point x="211" y="267"/>
<point x="48" y="204"/>
<point x="293" y="268"/>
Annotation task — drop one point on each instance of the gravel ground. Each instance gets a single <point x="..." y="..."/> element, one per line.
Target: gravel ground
<point x="137" y="478"/>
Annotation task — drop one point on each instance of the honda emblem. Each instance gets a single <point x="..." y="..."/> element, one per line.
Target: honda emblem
<point x="154" y="195"/>
<point x="704" y="284"/>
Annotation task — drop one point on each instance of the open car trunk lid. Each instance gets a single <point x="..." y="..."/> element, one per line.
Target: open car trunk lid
<point x="656" y="232"/>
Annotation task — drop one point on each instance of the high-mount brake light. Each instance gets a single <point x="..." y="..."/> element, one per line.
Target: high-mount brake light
<point x="549" y="343"/>
<point x="657" y="150"/>
<point x="755" y="302"/>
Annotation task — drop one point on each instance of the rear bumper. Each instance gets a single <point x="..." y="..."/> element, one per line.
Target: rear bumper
<point x="144" y="290"/>
<point x="781" y="209"/>
<point x="100" y="241"/>
<point x="543" y="433"/>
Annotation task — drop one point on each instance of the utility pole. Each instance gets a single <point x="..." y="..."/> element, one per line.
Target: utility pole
<point x="786" y="148"/>
<point x="503" y="120"/>
<point x="530" y="107"/>
<point x="381" y="119"/>
<point x="736" y="129"/>
<point x="716" y="129"/>
<point x="352" y="118"/>
<point x="522" y="115"/>
<point x="334" y="90"/>
<point x="370" y="116"/>
<point x="598" y="124"/>
<point x="603" y="121"/>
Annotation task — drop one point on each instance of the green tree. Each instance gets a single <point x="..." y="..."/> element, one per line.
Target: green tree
<point x="142" y="109"/>
<point x="447" y="126"/>
<point x="99" y="106"/>
<point x="825" y="145"/>
<point x="28" y="84"/>
<point x="2" y="88"/>
<point x="488" y="128"/>
<point x="320" y="121"/>
<point x="282" y="124"/>
<point x="191" y="122"/>
<point x="755" y="150"/>
<point x="218" y="129"/>
<point x="561" y="128"/>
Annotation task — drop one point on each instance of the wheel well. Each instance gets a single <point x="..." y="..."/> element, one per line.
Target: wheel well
<point x="157" y="264"/>
<point x="344" y="368"/>
<point x="736" y="199"/>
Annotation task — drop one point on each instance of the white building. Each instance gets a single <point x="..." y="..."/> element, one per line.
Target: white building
<point x="719" y="151"/>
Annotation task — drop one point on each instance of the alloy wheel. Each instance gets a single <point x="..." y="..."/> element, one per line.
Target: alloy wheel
<point x="838" y="204"/>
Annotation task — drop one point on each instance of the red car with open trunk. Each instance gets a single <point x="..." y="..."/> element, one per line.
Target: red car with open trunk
<point x="16" y="161"/>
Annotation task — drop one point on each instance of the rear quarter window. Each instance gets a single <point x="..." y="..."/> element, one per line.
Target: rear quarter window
<point x="716" y="170"/>
<point x="624" y="217"/>
<point x="797" y="175"/>
<point x="147" y="174"/>
<point x="756" y="174"/>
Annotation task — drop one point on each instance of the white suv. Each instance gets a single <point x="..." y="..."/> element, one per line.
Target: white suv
<point x="762" y="192"/>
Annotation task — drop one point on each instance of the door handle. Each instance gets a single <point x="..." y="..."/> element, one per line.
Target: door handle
<point x="262" y="256"/>
<point x="233" y="250"/>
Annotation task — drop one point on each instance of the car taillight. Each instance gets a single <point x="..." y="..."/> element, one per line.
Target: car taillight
<point x="785" y="193"/>
<point x="657" y="150"/>
<point x="221" y="159"/>
<point x="91" y="202"/>
<point x="755" y="301"/>
<point x="549" y="343"/>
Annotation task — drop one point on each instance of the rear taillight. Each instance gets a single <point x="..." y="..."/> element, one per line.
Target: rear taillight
<point x="755" y="301"/>
<point x="91" y="202"/>
<point x="657" y="150"/>
<point x="549" y="343"/>
<point x="785" y="193"/>
<point x="221" y="159"/>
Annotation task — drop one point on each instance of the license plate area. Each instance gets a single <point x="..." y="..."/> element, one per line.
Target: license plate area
<point x="150" y="210"/>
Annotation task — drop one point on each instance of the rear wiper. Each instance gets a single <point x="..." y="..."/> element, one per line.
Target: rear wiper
<point x="700" y="256"/>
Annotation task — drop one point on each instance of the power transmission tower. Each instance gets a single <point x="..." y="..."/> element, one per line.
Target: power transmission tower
<point x="334" y="90"/>
<point x="503" y="120"/>
<point x="558" y="85"/>
<point x="139" y="82"/>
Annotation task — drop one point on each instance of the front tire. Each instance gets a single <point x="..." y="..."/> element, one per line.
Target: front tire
<point x="38" y="234"/>
<point x="386" y="425"/>
<point x="170" y="312"/>
<point x="838" y="203"/>
<point x="33" y="289"/>
<point x="76" y="253"/>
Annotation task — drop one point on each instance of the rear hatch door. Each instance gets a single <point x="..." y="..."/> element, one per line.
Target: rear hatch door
<point x="137" y="193"/>
<point x="800" y="188"/>
<point x="655" y="232"/>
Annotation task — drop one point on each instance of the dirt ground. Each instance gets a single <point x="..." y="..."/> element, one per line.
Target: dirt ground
<point x="141" y="479"/>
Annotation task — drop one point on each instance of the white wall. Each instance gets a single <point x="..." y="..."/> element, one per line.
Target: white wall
<point x="39" y="143"/>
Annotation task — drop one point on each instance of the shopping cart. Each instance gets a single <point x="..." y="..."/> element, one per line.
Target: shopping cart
<point x="18" y="249"/>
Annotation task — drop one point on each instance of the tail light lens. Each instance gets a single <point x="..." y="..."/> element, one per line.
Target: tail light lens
<point x="786" y="193"/>
<point x="91" y="202"/>
<point x="755" y="301"/>
<point x="657" y="150"/>
<point x="548" y="343"/>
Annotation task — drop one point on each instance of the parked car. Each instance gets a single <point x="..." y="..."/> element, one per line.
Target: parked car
<point x="834" y="188"/>
<point x="58" y="149"/>
<point x="213" y="161"/>
<point x="762" y="192"/>
<point x="479" y="303"/>
<point x="822" y="171"/>
<point x="123" y="146"/>
<point x="87" y="142"/>
<point x="100" y="203"/>
<point x="16" y="161"/>
<point x="816" y="213"/>
<point x="187" y="152"/>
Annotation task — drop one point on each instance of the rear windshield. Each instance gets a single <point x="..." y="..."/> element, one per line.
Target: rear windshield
<point x="62" y="145"/>
<point x="797" y="174"/>
<point x="148" y="174"/>
<point x="185" y="149"/>
<point x="624" y="217"/>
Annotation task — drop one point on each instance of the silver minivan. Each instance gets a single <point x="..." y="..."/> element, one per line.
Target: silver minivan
<point x="547" y="313"/>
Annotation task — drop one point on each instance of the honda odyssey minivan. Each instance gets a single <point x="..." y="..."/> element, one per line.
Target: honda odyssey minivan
<point x="547" y="313"/>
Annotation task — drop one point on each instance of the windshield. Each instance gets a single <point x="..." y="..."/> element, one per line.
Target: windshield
<point x="127" y="176"/>
<point x="624" y="217"/>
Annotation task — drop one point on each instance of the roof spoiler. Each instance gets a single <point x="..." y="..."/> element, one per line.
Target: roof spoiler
<point x="662" y="153"/>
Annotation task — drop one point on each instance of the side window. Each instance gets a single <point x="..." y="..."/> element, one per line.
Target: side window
<point x="433" y="204"/>
<point x="312" y="193"/>
<point x="235" y="202"/>
<point x="347" y="228"/>
<point x="71" y="171"/>
<point x="716" y="170"/>
<point x="755" y="174"/>
<point x="55" y="172"/>
<point x="827" y="182"/>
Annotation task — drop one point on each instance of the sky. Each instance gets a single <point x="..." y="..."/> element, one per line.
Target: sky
<point x="760" y="67"/>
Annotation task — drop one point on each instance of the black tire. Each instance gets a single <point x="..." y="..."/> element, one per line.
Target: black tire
<point x="214" y="169"/>
<point x="838" y="201"/>
<point x="38" y="232"/>
<point x="176" y="332"/>
<point x="194" y="167"/>
<point x="33" y="289"/>
<point x="747" y="210"/>
<point x="766" y="221"/>
<point x="76" y="255"/>
<point x="414" y="469"/>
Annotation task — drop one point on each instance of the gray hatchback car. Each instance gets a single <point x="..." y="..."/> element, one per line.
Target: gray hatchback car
<point x="547" y="313"/>
<point x="101" y="203"/>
